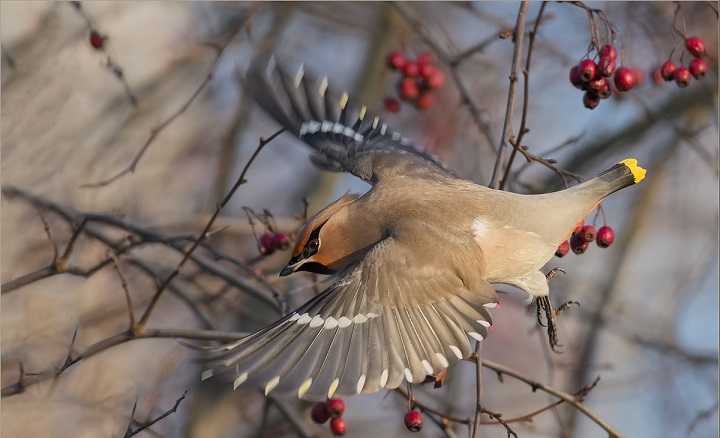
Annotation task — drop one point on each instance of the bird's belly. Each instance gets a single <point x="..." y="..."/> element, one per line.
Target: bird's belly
<point x="510" y="253"/>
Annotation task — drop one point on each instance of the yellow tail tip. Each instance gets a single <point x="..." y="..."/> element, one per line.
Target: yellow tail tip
<point x="637" y="171"/>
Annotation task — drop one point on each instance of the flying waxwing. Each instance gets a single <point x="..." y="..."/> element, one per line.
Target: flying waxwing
<point x="414" y="257"/>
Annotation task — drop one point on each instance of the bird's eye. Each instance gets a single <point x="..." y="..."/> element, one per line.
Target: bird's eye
<point x="313" y="245"/>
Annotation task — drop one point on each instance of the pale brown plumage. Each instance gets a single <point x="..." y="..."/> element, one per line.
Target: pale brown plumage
<point x="411" y="285"/>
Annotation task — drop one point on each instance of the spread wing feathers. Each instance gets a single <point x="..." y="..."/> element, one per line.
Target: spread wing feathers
<point x="339" y="130"/>
<point x="369" y="330"/>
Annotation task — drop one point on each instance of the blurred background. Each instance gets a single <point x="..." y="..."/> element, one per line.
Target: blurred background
<point x="168" y="75"/>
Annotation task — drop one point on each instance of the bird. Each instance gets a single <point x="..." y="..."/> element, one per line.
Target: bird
<point x="415" y="258"/>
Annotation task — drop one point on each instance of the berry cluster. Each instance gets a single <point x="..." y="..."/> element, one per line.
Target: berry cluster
<point x="681" y="74"/>
<point x="269" y="242"/>
<point x="583" y="235"/>
<point x="419" y="78"/>
<point x="593" y="77"/>
<point x="332" y="408"/>
<point x="413" y="421"/>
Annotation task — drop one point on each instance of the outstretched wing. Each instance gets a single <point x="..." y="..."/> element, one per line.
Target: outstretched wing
<point x="341" y="132"/>
<point x="387" y="318"/>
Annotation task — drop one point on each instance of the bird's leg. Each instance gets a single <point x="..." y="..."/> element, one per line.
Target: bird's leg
<point x="544" y="306"/>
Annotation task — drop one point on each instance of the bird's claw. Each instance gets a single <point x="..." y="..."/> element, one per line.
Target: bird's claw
<point x="544" y="306"/>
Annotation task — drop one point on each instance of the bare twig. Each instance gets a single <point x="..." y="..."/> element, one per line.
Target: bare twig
<point x="241" y="180"/>
<point x="510" y="110"/>
<point x="172" y="410"/>
<point x="154" y="132"/>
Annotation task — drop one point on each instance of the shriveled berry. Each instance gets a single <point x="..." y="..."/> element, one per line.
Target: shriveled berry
<point x="698" y="67"/>
<point x="696" y="46"/>
<point x="266" y="244"/>
<point x="563" y="249"/>
<point x="578" y="244"/>
<point x="396" y="61"/>
<point x="591" y="100"/>
<point x="576" y="77"/>
<point x="436" y="79"/>
<point x="606" y="66"/>
<point x="588" y="70"/>
<point x="97" y="40"/>
<point x="682" y="76"/>
<point x="667" y="70"/>
<point x="319" y="413"/>
<point x="624" y="79"/>
<point x="425" y="58"/>
<point x="605" y="237"/>
<point x="413" y="421"/>
<point x="600" y="87"/>
<point x="608" y="51"/>
<point x="335" y="407"/>
<point x="281" y="241"/>
<point x="392" y="105"/>
<point x="338" y="426"/>
<point x="424" y="100"/>
<point x="411" y="69"/>
<point x="588" y="233"/>
<point x="408" y="89"/>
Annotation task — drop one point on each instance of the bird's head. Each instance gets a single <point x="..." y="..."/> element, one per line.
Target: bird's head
<point x="324" y="245"/>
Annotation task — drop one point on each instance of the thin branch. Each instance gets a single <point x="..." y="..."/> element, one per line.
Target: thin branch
<point x="510" y="110"/>
<point x="241" y="180"/>
<point x="172" y="410"/>
<point x="154" y="132"/>
<point x="574" y="400"/>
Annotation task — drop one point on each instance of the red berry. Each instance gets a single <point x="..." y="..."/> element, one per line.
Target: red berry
<point x="408" y="89"/>
<point x="424" y="101"/>
<point x="396" y="61"/>
<point x="266" y="244"/>
<point x="576" y="77"/>
<point x="436" y="79"/>
<point x="319" y="413"/>
<point x="605" y="237"/>
<point x="600" y="87"/>
<point x="591" y="100"/>
<point x="281" y="241"/>
<point x="563" y="249"/>
<point x="624" y="79"/>
<point x="698" y="68"/>
<point x="588" y="233"/>
<point x="426" y="70"/>
<point x="608" y="51"/>
<point x="338" y="426"/>
<point x="425" y="58"/>
<point x="606" y="66"/>
<point x="413" y="421"/>
<point x="682" y="76"/>
<point x="667" y="70"/>
<point x="411" y="69"/>
<point x="97" y="40"/>
<point x="696" y="46"/>
<point x="335" y="407"/>
<point x="392" y="105"/>
<point x="588" y="70"/>
<point x="578" y="228"/>
<point x="658" y="77"/>
<point x="578" y="244"/>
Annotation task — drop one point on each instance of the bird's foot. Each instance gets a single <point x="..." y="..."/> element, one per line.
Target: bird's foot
<point x="544" y="306"/>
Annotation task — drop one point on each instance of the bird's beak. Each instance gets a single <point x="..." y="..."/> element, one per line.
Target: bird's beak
<point x="290" y="268"/>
